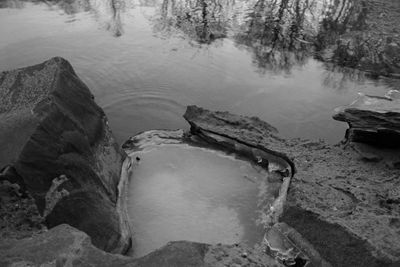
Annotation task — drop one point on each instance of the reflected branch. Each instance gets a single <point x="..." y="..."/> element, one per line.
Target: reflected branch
<point x="107" y="12"/>
<point x="197" y="19"/>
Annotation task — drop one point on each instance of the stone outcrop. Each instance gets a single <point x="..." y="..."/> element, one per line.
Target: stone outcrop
<point x="54" y="137"/>
<point x="342" y="204"/>
<point x="374" y="120"/>
<point x="232" y="131"/>
<point x="66" y="246"/>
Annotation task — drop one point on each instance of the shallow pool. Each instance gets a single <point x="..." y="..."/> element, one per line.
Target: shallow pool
<point x="179" y="192"/>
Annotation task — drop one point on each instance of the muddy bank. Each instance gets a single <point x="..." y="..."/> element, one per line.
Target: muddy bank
<point x="337" y="199"/>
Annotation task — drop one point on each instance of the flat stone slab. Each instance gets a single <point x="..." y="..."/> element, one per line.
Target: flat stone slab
<point x="248" y="131"/>
<point x="344" y="205"/>
<point x="373" y="119"/>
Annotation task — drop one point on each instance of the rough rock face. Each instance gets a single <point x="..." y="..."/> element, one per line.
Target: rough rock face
<point x="210" y="125"/>
<point x="374" y="120"/>
<point x="344" y="205"/>
<point x="66" y="246"/>
<point x="63" y="245"/>
<point x="54" y="136"/>
<point x="19" y="216"/>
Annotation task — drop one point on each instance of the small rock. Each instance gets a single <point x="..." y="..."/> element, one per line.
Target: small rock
<point x="393" y="196"/>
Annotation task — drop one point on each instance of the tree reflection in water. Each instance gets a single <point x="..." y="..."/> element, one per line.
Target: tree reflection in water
<point x="107" y="12"/>
<point x="200" y="20"/>
<point x="279" y="34"/>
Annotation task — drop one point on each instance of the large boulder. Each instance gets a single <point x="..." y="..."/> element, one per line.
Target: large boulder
<point x="66" y="246"/>
<point x="56" y="141"/>
<point x="343" y="205"/>
<point x="372" y="119"/>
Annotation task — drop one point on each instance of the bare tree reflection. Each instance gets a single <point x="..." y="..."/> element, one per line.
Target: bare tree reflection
<point x="279" y="33"/>
<point x="342" y="16"/>
<point x="114" y="24"/>
<point x="107" y="12"/>
<point x="338" y="78"/>
<point x="201" y="20"/>
<point x="346" y="40"/>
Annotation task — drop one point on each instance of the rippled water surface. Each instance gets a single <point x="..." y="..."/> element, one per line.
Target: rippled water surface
<point x="187" y="193"/>
<point x="146" y="60"/>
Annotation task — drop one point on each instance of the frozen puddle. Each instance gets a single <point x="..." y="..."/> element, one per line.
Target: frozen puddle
<point x="180" y="192"/>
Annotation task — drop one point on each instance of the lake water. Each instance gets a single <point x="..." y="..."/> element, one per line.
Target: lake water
<point x="178" y="192"/>
<point x="145" y="61"/>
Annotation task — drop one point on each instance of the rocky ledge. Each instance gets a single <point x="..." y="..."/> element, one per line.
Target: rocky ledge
<point x="56" y="143"/>
<point x="343" y="204"/>
<point x="372" y="119"/>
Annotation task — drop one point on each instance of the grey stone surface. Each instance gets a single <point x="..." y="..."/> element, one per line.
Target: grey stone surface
<point x="372" y="119"/>
<point x="51" y="126"/>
